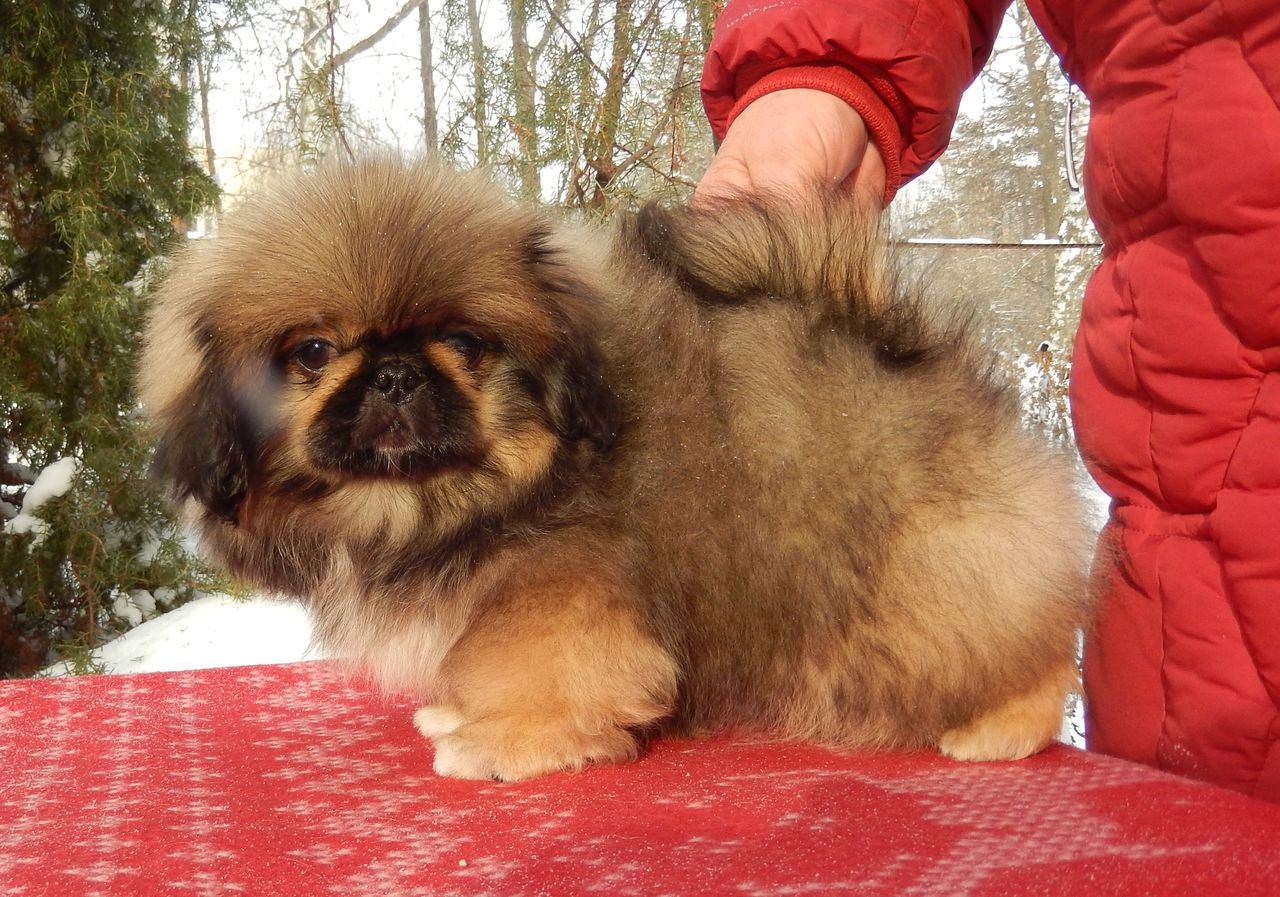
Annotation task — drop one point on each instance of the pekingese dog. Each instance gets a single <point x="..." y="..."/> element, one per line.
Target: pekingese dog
<point x="701" y="470"/>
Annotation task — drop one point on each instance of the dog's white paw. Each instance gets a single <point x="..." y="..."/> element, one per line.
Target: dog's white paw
<point x="457" y="758"/>
<point x="978" y="744"/>
<point x="510" y="750"/>
<point x="1018" y="728"/>
<point x="435" y="721"/>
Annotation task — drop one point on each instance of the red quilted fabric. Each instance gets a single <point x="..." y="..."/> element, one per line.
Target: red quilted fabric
<point x="293" y="781"/>
<point x="1176" y="379"/>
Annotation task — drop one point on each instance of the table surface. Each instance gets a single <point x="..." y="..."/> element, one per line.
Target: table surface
<point x="302" y="780"/>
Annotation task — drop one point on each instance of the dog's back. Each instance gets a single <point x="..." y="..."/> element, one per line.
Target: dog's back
<point x="864" y="526"/>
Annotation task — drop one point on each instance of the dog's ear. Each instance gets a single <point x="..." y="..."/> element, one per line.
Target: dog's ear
<point x="205" y="447"/>
<point x="576" y="390"/>
<point x="581" y="402"/>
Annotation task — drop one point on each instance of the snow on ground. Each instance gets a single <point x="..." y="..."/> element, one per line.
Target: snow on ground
<point x="214" y="631"/>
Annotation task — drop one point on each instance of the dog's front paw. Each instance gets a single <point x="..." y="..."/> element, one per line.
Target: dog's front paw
<point x="509" y="750"/>
<point x="435" y="721"/>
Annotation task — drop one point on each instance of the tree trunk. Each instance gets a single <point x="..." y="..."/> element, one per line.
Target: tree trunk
<point x="206" y="124"/>
<point x="479" y="76"/>
<point x="312" y="21"/>
<point x="525" y="122"/>
<point x="579" y="130"/>
<point x="600" y="148"/>
<point x="1045" y="138"/>
<point x="426" y="69"/>
<point x="1047" y="143"/>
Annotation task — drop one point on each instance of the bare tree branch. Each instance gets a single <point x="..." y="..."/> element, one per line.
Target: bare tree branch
<point x="338" y="60"/>
<point x="584" y="51"/>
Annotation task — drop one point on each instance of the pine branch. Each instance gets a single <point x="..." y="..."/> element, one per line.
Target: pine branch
<point x="12" y="286"/>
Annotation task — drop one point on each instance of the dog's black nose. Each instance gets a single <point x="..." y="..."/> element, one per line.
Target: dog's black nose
<point x="396" y="381"/>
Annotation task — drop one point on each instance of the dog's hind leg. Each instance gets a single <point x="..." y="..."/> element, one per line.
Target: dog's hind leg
<point x="1021" y="726"/>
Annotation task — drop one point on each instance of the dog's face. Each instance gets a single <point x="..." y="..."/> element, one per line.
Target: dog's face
<point x="403" y="404"/>
<point x="373" y="330"/>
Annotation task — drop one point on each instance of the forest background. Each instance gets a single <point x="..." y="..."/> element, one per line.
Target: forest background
<point x="129" y="125"/>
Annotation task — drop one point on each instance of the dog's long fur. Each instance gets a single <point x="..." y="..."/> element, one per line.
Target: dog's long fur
<point x="708" y="470"/>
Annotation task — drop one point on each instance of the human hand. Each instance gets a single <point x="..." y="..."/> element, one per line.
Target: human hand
<point x="789" y="140"/>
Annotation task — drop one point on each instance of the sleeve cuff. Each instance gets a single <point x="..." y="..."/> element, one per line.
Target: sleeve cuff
<point x="882" y="125"/>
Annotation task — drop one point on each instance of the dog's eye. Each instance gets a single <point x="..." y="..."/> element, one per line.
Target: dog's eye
<point x="468" y="345"/>
<point x="314" y="354"/>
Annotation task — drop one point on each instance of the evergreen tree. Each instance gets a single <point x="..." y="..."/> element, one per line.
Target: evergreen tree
<point x="95" y="181"/>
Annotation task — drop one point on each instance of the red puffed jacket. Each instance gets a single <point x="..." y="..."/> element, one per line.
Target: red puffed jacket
<point x="1175" y="384"/>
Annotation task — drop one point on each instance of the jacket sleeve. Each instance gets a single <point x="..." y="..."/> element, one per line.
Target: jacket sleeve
<point x="902" y="64"/>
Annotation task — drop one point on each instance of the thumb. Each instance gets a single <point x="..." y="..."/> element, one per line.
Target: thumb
<point x="868" y="179"/>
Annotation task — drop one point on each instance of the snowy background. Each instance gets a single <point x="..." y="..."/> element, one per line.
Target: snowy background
<point x="211" y="631"/>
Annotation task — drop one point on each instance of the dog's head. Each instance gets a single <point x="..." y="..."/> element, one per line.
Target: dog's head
<point x="378" y="331"/>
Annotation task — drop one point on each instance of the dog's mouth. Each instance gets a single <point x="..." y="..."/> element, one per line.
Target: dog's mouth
<point x="392" y="450"/>
<point x="366" y="437"/>
<point x="396" y="438"/>
<point x="387" y="430"/>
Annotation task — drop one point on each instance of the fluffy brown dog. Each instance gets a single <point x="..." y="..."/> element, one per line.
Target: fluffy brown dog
<point x="705" y="470"/>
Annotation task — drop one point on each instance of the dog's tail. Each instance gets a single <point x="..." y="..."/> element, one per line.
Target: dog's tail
<point x="826" y="251"/>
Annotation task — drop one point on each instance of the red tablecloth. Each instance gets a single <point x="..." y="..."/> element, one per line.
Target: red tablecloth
<point x="296" y="780"/>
